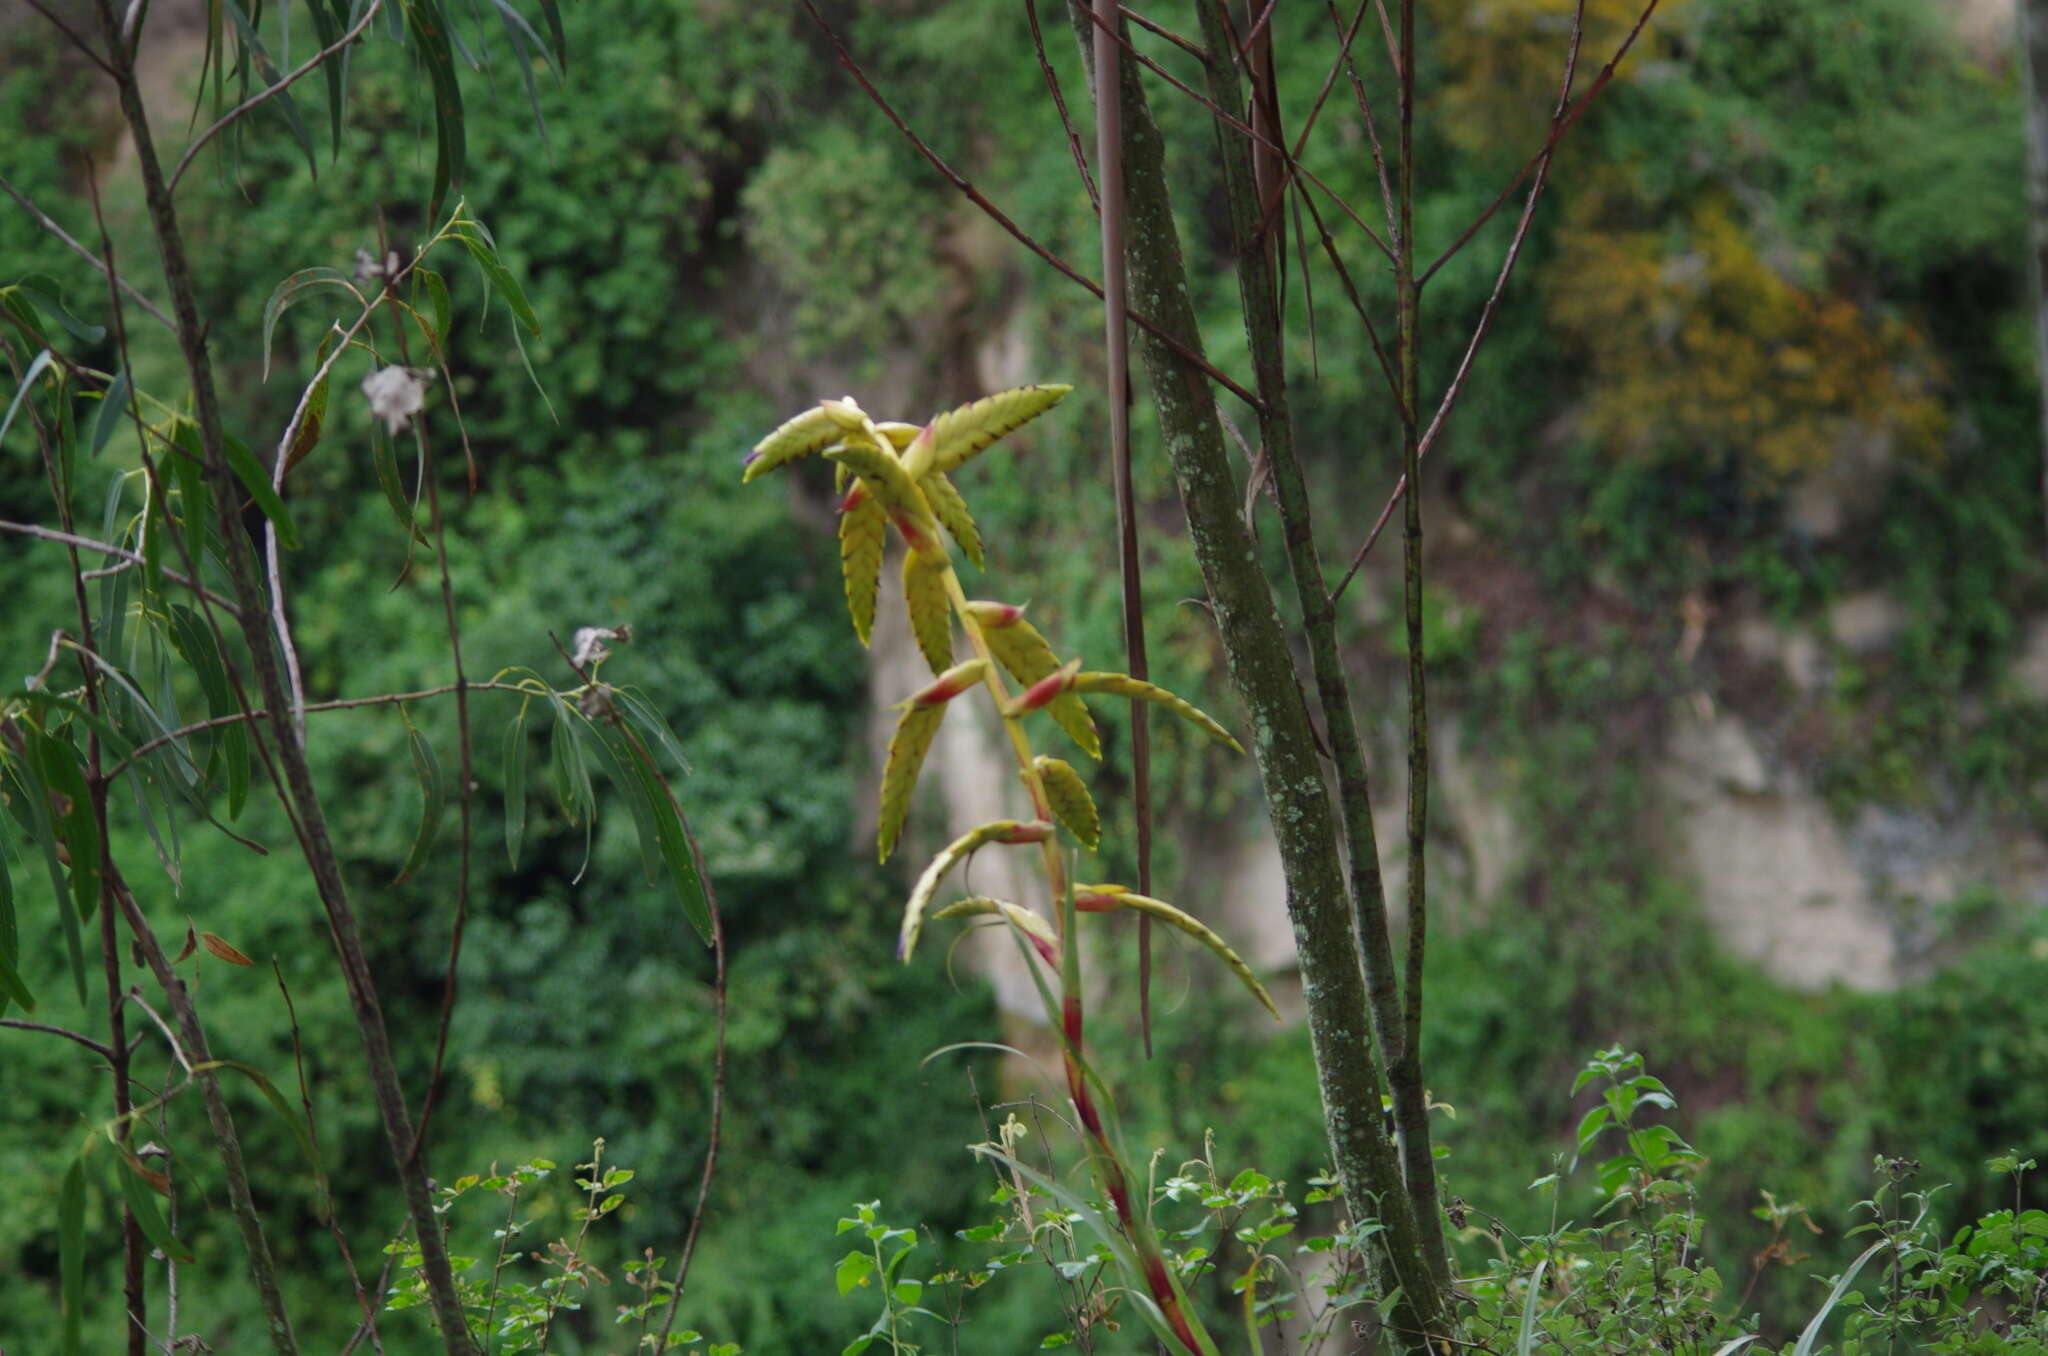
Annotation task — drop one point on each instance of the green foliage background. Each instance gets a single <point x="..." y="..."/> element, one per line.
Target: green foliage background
<point x="716" y="228"/>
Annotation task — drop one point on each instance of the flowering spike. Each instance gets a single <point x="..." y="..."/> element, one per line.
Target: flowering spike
<point x="931" y="615"/>
<point x="1109" y="898"/>
<point x="959" y="434"/>
<point x="1069" y="800"/>
<point x="863" y="533"/>
<point x="1040" y="693"/>
<point x="811" y="431"/>
<point x="1123" y="685"/>
<point x="999" y="831"/>
<point x="950" y="508"/>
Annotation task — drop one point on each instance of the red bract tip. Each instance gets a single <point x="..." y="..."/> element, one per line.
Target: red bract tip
<point x="1093" y="901"/>
<point x="1045" y="689"/>
<point x="919" y="540"/>
<point x="750" y="458"/>
<point x="854" y="496"/>
<point x="995" y="616"/>
<point x="951" y="683"/>
<point x="1027" y="833"/>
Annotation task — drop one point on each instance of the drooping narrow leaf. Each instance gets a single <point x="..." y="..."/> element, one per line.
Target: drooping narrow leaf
<point x="429" y="24"/>
<point x="950" y="508"/>
<point x="571" y="773"/>
<point x="648" y="721"/>
<point x="295" y="288"/>
<point x="1108" y="898"/>
<point x="1123" y="685"/>
<point x="256" y="480"/>
<point x="71" y="1253"/>
<point x="36" y="367"/>
<point x="49" y="298"/>
<point x="253" y="49"/>
<point x="515" y="784"/>
<point x="907" y="748"/>
<point x="618" y="766"/>
<point x="327" y="24"/>
<point x="113" y="409"/>
<point x="551" y="10"/>
<point x="384" y="458"/>
<point x="997" y="831"/>
<point x="142" y="1204"/>
<point x="526" y="45"/>
<point x="308" y="435"/>
<point x="35" y="808"/>
<point x="863" y="535"/>
<point x="674" y="842"/>
<point x="231" y="741"/>
<point x="437" y="297"/>
<point x="931" y="612"/>
<point x="71" y="814"/>
<point x="960" y="433"/>
<point x="12" y="987"/>
<point x="482" y="248"/>
<point x="428" y="769"/>
<point x="1069" y="800"/>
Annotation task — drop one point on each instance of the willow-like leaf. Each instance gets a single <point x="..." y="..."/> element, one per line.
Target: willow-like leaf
<point x="959" y="434"/>
<point x="515" y="785"/>
<point x="1021" y="650"/>
<point x="295" y="288"/>
<point x="1108" y="898"/>
<point x="863" y="534"/>
<point x="886" y="479"/>
<point x="931" y="614"/>
<point x="950" y="508"/>
<point x="1069" y="800"/>
<point x="798" y="436"/>
<point x="428" y="769"/>
<point x="996" y="831"/>
<point x="136" y="1187"/>
<point x="907" y="748"/>
<point x="1123" y="685"/>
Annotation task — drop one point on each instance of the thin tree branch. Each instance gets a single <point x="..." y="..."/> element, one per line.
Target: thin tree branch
<point x="1558" y="127"/>
<point x="84" y="48"/>
<point x="1059" y="102"/>
<point x="41" y="533"/>
<point x="1109" y="134"/>
<point x="996" y="214"/>
<point x="269" y="92"/>
<point x="88" y="1042"/>
<point x="43" y="219"/>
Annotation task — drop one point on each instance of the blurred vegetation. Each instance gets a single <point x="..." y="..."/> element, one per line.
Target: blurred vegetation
<point x="1790" y="233"/>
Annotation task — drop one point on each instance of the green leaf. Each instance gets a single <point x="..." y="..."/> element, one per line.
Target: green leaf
<point x="231" y="742"/>
<point x="34" y="806"/>
<point x="428" y="769"/>
<point x="12" y="989"/>
<point x="113" y="409"/>
<point x="854" y="1270"/>
<point x="58" y="763"/>
<point x="673" y="839"/>
<point x="71" y="1252"/>
<point x="295" y="287"/>
<point x="1525" y="1341"/>
<point x="1811" y="1334"/>
<point x="1590" y="1126"/>
<point x="28" y="380"/>
<point x="437" y="296"/>
<point x="384" y="457"/>
<point x="515" y="784"/>
<point x="429" y="24"/>
<point x="256" y="481"/>
<point x="252" y="47"/>
<point x="552" y="12"/>
<point x="142" y="1204"/>
<point x="46" y="294"/>
<point x="484" y="250"/>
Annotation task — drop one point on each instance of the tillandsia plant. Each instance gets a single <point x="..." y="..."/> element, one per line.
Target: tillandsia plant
<point x="898" y="474"/>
